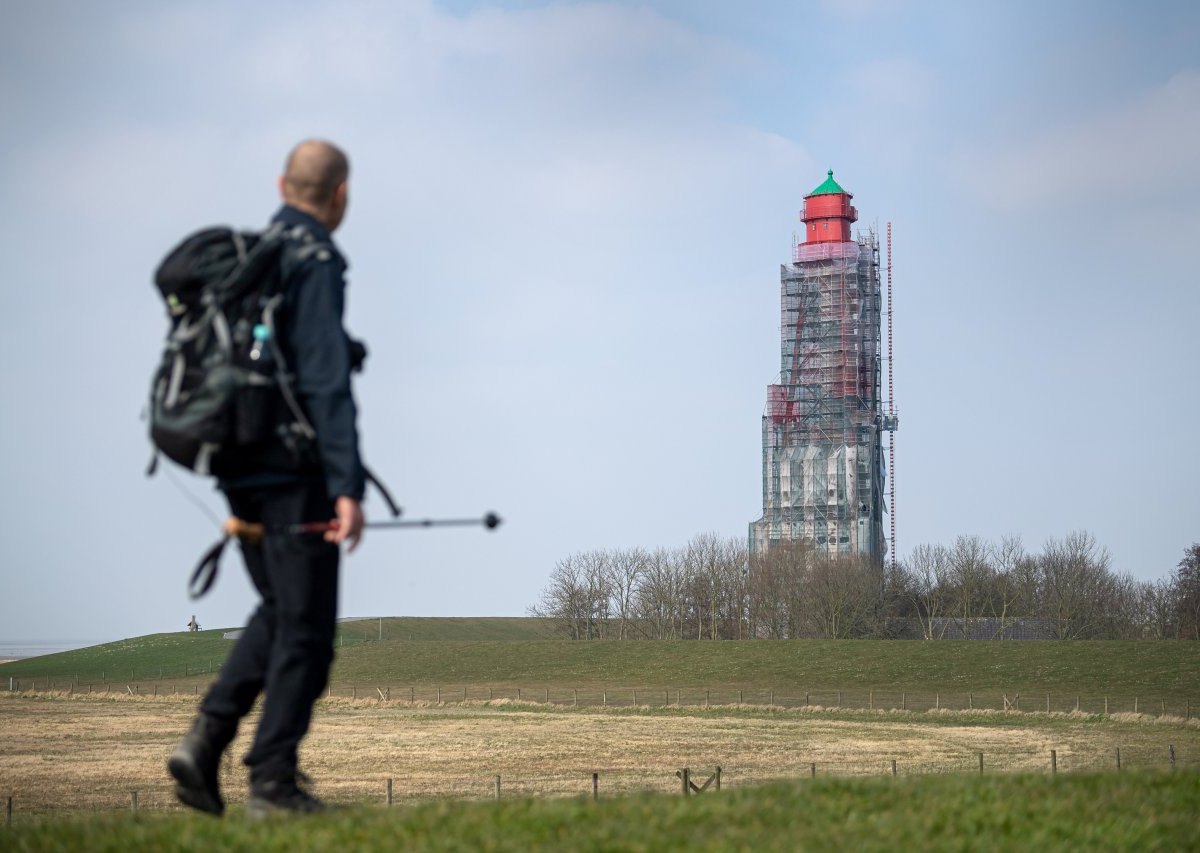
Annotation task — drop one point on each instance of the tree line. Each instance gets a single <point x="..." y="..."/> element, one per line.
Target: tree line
<point x="712" y="589"/>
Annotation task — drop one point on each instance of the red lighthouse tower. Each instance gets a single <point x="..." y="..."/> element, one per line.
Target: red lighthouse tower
<point x="828" y="213"/>
<point x="823" y="472"/>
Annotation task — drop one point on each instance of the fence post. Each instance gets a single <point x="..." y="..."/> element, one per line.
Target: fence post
<point x="871" y="700"/>
<point x="497" y="786"/>
<point x="706" y="698"/>
<point x="739" y="697"/>
<point x="603" y="697"/>
<point x="903" y="701"/>
<point x="518" y="694"/>
<point x="1106" y="706"/>
<point x="772" y="697"/>
<point x="595" y="786"/>
<point x="439" y="695"/>
<point x="806" y="702"/>
<point x="1172" y="749"/>
<point x="937" y="701"/>
<point x="971" y="701"/>
<point x="1047" y="703"/>
<point x="718" y="778"/>
<point x="574" y="700"/>
<point x="1189" y="710"/>
<point x="8" y="813"/>
<point x="813" y="769"/>
<point x="893" y="767"/>
<point x="1118" y="758"/>
<point x="389" y="790"/>
<point x="1164" y="708"/>
<point x="683" y="776"/>
<point x="1076" y="704"/>
<point x="1135" y="710"/>
<point x="1053" y="761"/>
<point x="839" y="704"/>
<point x="981" y="764"/>
<point x="133" y="800"/>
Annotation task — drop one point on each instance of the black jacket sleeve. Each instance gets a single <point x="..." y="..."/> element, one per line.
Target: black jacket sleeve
<point x="321" y="362"/>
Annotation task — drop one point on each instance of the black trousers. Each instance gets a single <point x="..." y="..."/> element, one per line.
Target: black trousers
<point x="287" y="647"/>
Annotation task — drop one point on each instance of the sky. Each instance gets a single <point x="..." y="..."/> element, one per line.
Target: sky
<point x="565" y="231"/>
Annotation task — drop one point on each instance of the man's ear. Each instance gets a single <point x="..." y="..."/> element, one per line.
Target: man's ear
<point x="281" y="183"/>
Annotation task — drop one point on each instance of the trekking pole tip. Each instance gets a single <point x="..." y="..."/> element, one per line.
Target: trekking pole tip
<point x="491" y="521"/>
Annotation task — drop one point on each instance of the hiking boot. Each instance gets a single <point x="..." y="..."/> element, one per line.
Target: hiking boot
<point x="195" y="762"/>
<point x="281" y="796"/>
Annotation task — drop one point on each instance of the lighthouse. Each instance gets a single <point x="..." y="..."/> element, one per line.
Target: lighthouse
<point x="823" y="468"/>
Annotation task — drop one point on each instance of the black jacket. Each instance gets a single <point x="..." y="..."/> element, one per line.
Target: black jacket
<point x="319" y="355"/>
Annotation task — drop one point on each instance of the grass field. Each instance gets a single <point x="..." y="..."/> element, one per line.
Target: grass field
<point x="78" y="752"/>
<point x="1155" y="677"/>
<point x="70" y="759"/>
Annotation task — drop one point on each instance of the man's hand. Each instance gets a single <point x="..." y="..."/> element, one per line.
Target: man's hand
<point x="349" y="523"/>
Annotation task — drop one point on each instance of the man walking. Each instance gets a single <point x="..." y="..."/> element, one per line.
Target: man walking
<point x="287" y="647"/>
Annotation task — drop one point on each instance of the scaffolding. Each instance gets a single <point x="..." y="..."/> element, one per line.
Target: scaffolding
<point x="822" y="461"/>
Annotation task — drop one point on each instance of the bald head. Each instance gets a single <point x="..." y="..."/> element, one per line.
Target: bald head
<point x="314" y="180"/>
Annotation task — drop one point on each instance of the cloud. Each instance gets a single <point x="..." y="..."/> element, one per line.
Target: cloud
<point x="1141" y="149"/>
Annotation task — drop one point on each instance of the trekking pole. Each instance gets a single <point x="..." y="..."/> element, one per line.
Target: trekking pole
<point x="205" y="573"/>
<point x="253" y="532"/>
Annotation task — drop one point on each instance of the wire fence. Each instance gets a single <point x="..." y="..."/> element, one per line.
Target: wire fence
<point x="157" y="795"/>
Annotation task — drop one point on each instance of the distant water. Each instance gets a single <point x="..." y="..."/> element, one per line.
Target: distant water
<point x="16" y="649"/>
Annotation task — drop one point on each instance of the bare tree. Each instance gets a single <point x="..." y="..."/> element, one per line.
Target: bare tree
<point x="594" y="566"/>
<point x="1186" y="584"/>
<point x="929" y="572"/>
<point x="767" y="611"/>
<point x="735" y="568"/>
<point x="565" y="599"/>
<point x="703" y="559"/>
<point x="777" y="586"/>
<point x="1157" y="608"/>
<point x="971" y="579"/>
<point x="623" y="570"/>
<point x="1075" y="584"/>
<point x="658" y="594"/>
<point x="1014" y="588"/>
<point x="842" y="592"/>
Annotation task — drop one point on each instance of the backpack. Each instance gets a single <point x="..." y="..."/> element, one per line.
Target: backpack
<point x="222" y="382"/>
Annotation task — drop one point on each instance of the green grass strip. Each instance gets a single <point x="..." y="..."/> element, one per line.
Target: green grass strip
<point x="1087" y="811"/>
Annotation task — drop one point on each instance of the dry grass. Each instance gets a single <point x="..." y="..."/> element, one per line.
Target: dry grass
<point x="82" y="752"/>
